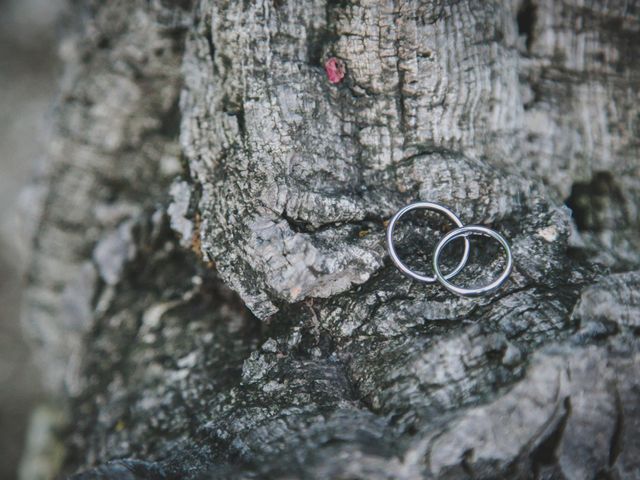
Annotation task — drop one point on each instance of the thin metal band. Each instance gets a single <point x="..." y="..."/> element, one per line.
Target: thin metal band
<point x="392" y="250"/>
<point x="464" y="232"/>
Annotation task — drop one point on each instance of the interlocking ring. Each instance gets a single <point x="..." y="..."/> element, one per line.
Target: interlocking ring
<point x="392" y="250"/>
<point x="460" y="231"/>
<point x="464" y="232"/>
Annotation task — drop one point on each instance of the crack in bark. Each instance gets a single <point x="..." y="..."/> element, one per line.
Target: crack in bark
<point x="616" y="446"/>
<point x="546" y="452"/>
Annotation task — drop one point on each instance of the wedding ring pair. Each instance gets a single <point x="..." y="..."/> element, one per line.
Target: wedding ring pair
<point x="462" y="231"/>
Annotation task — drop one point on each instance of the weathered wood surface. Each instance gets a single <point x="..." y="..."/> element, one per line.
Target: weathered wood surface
<point x="202" y="162"/>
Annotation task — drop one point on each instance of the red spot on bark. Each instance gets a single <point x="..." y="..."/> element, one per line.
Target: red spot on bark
<point x="334" y="69"/>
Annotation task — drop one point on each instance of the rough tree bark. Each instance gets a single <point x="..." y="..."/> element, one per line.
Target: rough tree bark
<point x="209" y="285"/>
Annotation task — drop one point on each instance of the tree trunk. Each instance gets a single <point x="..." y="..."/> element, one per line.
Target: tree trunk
<point x="209" y="286"/>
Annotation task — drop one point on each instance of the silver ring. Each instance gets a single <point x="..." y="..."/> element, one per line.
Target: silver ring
<point x="464" y="232"/>
<point x="392" y="251"/>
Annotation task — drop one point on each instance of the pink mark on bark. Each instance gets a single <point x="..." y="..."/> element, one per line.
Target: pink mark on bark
<point x="334" y="69"/>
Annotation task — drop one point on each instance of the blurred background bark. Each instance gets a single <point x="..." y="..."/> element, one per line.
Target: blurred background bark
<point x="28" y="79"/>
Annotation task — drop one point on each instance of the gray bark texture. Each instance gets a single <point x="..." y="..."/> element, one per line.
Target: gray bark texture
<point x="209" y="288"/>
